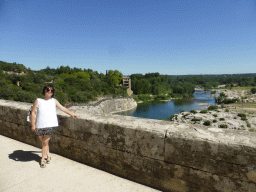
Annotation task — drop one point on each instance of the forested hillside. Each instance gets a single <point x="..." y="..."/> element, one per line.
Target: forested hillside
<point x="73" y="85"/>
<point x="183" y="85"/>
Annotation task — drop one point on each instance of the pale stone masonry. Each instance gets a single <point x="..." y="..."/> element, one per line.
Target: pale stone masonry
<point x="161" y="154"/>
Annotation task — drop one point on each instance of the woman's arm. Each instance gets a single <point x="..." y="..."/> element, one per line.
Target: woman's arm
<point x="74" y="116"/>
<point x="33" y="116"/>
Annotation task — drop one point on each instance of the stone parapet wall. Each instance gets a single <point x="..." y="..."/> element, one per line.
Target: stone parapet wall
<point x="160" y="154"/>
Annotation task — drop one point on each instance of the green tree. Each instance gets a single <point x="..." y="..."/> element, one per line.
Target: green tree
<point x="115" y="76"/>
<point x="81" y="75"/>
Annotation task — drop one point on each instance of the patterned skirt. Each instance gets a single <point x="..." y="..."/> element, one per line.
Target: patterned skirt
<point x="44" y="131"/>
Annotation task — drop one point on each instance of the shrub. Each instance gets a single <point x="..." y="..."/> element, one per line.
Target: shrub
<point x="215" y="115"/>
<point x="222" y="119"/>
<point x="193" y="111"/>
<point x="161" y="97"/>
<point x="213" y="92"/>
<point x="203" y="111"/>
<point x="241" y="115"/>
<point x="196" y="119"/>
<point x="223" y="126"/>
<point x="26" y="96"/>
<point x="135" y="97"/>
<point x="252" y="130"/>
<point x="218" y="99"/>
<point x="243" y="118"/>
<point x="226" y="110"/>
<point x="171" y="118"/>
<point x="222" y="94"/>
<point x="144" y="97"/>
<point x="253" y="90"/>
<point x="3" y="83"/>
<point x="207" y="123"/>
<point x="62" y="97"/>
<point x="248" y="124"/>
<point x="214" y="120"/>
<point x="212" y="107"/>
<point x="227" y="101"/>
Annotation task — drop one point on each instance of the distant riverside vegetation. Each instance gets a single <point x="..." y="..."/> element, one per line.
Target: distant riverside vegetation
<point x="75" y="85"/>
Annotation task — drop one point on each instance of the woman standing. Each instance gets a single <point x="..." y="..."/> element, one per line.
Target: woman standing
<point x="46" y="119"/>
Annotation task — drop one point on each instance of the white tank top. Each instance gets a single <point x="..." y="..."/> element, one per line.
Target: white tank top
<point x="46" y="114"/>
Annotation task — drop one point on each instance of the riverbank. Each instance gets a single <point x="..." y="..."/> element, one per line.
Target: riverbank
<point x="242" y="93"/>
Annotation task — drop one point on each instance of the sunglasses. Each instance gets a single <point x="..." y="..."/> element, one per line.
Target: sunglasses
<point x="49" y="90"/>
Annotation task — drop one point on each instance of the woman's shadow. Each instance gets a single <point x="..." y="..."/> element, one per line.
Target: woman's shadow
<point x="20" y="155"/>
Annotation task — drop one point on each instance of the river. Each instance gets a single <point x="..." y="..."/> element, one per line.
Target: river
<point x="156" y="110"/>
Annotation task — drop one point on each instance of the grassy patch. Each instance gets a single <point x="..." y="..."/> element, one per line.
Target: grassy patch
<point x="248" y="124"/>
<point x="223" y="126"/>
<point x="212" y="107"/>
<point x="207" y="123"/>
<point x="193" y="111"/>
<point x="196" y="119"/>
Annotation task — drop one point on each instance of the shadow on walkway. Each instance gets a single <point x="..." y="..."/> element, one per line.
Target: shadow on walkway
<point x="20" y="155"/>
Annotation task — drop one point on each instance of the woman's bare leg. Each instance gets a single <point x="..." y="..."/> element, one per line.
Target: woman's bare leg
<point x="45" y="144"/>
<point x="48" y="153"/>
<point x="41" y="138"/>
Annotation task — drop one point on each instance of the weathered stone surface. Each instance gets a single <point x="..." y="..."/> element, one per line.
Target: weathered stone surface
<point x="213" y="152"/>
<point x="106" y="106"/>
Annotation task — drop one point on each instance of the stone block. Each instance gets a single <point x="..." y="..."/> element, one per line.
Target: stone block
<point x="141" y="142"/>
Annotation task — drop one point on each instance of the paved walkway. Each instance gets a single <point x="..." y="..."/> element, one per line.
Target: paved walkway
<point x="20" y="171"/>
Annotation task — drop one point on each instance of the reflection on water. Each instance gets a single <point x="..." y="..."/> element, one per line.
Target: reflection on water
<point x="180" y="102"/>
<point x="156" y="110"/>
<point x="127" y="113"/>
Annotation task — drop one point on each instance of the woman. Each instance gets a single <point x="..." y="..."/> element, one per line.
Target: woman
<point x="46" y="119"/>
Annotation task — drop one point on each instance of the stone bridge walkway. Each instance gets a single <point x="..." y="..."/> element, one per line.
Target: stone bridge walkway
<point x="20" y="171"/>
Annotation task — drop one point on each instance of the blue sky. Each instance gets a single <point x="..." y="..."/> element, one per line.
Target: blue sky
<point x="174" y="37"/>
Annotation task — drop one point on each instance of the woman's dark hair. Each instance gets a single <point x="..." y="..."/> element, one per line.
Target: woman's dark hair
<point x="47" y="88"/>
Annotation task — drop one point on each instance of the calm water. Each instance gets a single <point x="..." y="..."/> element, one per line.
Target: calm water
<point x="156" y="110"/>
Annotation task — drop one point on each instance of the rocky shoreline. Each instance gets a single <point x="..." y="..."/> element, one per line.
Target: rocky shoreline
<point x="243" y="95"/>
<point x="224" y="116"/>
<point x="219" y="118"/>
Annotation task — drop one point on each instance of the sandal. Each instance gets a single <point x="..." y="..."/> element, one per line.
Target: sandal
<point x="48" y="160"/>
<point x="43" y="164"/>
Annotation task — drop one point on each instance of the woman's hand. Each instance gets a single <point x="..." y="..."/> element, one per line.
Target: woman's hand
<point x="74" y="116"/>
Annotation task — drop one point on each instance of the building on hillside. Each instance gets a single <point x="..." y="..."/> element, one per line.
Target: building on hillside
<point x="128" y="84"/>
